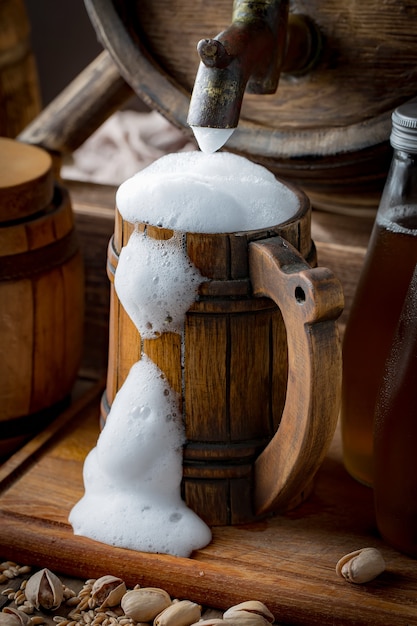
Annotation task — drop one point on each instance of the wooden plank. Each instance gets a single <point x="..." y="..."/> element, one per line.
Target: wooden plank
<point x="70" y="119"/>
<point x="287" y="561"/>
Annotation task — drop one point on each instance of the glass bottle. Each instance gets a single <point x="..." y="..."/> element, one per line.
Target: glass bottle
<point x="395" y="435"/>
<point x="388" y="266"/>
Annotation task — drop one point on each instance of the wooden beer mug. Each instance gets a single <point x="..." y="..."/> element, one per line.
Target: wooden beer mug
<point x="258" y="369"/>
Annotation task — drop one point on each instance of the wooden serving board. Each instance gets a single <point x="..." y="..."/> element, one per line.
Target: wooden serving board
<point x="288" y="562"/>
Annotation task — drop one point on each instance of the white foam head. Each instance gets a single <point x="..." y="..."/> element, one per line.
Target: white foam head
<point x="214" y="193"/>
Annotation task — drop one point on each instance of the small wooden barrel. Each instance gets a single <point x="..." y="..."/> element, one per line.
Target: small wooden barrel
<point x="41" y="294"/>
<point x="327" y="130"/>
<point x="233" y="384"/>
<point x="20" y="100"/>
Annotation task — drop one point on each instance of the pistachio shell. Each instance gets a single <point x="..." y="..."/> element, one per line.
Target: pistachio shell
<point x="244" y="618"/>
<point x="181" y="613"/>
<point x="44" y="589"/>
<point x="108" y="591"/>
<point x="144" y="604"/>
<point x="361" y="566"/>
<point x="255" y="607"/>
<point x="8" y="620"/>
<point x="213" y="621"/>
<point x="12" y="617"/>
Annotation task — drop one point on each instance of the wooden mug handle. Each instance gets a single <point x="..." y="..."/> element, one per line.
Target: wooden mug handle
<point x="310" y="300"/>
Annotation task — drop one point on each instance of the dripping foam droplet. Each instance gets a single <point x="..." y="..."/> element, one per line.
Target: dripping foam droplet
<point x="211" y="139"/>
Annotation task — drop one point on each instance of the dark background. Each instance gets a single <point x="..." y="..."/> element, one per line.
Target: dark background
<point x="63" y="40"/>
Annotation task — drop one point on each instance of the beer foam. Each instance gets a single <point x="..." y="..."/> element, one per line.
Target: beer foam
<point x="132" y="477"/>
<point x="157" y="283"/>
<point x="211" y="139"/>
<point x="213" y="193"/>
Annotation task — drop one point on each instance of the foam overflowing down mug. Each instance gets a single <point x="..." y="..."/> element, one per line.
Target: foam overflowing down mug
<point x="256" y="363"/>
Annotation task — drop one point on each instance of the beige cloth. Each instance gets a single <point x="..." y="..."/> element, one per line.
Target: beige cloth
<point x="126" y="143"/>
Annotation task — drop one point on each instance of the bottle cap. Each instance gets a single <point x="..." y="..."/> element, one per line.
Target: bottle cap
<point x="404" y="127"/>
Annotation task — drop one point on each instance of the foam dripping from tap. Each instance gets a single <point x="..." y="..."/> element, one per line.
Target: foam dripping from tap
<point x="211" y="139"/>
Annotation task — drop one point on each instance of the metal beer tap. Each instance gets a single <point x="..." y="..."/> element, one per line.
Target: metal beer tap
<point x="262" y="41"/>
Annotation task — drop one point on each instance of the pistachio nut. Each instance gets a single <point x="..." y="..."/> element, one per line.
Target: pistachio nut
<point x="361" y="566"/>
<point x="44" y="589"/>
<point x="180" y="613"/>
<point x="145" y="603"/>
<point x="248" y="608"/>
<point x="213" y="621"/>
<point x="108" y="591"/>
<point x="244" y="618"/>
<point x="13" y="617"/>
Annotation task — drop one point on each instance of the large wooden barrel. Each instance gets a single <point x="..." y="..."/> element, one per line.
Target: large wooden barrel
<point x="20" y="99"/>
<point x="233" y="384"/>
<point x="41" y="294"/>
<point x="328" y="130"/>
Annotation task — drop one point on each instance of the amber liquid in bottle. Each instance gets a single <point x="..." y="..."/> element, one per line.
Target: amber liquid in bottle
<point x="395" y="435"/>
<point x="389" y="265"/>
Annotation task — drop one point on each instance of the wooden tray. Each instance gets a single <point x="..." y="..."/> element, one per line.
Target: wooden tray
<point x="287" y="562"/>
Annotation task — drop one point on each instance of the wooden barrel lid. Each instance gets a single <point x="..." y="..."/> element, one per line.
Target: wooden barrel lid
<point x="26" y="180"/>
<point x="328" y="130"/>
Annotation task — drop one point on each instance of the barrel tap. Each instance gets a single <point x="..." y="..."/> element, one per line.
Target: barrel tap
<point x="262" y="41"/>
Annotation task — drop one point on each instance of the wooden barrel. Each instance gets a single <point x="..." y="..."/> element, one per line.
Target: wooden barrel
<point x="20" y="99"/>
<point x="233" y="384"/>
<point x="41" y="294"/>
<point x="328" y="130"/>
